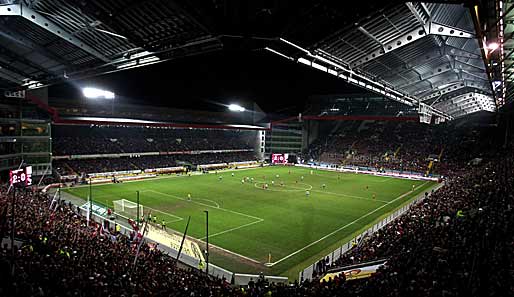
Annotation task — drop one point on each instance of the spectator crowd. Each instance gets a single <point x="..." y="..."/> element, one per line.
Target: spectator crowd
<point x="458" y="241"/>
<point x="399" y="146"/>
<point x="61" y="255"/>
<point x="80" y="166"/>
<point x="85" y="140"/>
<point x="82" y="140"/>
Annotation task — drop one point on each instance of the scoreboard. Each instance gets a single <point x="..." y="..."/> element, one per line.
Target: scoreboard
<point x="22" y="176"/>
<point x="279" y="158"/>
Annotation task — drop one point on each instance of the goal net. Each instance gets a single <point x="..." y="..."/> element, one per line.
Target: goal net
<point x="127" y="208"/>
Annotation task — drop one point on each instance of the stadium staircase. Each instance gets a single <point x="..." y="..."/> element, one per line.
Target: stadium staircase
<point x="68" y="167"/>
<point x="431" y="164"/>
<point x="362" y="126"/>
<point x="336" y="128"/>
<point x="347" y="154"/>
<point x="397" y="151"/>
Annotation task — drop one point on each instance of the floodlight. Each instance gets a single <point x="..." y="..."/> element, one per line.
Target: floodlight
<point x="95" y="93"/>
<point x="492" y="46"/>
<point x="236" y="108"/>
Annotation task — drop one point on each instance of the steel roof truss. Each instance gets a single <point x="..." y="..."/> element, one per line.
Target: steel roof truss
<point x="27" y="13"/>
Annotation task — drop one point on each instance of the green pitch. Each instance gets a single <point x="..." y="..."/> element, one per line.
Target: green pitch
<point x="248" y="222"/>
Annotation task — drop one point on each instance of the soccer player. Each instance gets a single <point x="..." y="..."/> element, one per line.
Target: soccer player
<point x="374" y="196"/>
<point x="301" y="177"/>
<point x="266" y="186"/>
<point x="155" y="219"/>
<point x="323" y="186"/>
<point x="281" y="183"/>
<point x="220" y="178"/>
<point x="367" y="187"/>
<point x="252" y="179"/>
<point x="189" y="197"/>
<point x="242" y="181"/>
<point x="232" y="173"/>
<point x="413" y="187"/>
<point x="278" y="176"/>
<point x="163" y="225"/>
<point x="272" y="182"/>
<point x="307" y="193"/>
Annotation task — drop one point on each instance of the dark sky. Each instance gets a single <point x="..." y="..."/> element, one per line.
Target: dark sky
<point x="274" y="83"/>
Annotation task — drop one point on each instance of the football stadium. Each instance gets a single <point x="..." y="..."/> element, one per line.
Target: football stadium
<point x="256" y="148"/>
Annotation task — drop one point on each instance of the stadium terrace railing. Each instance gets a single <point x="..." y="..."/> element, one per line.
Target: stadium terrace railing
<point x="308" y="272"/>
<point x="242" y="279"/>
<point x="119" y="155"/>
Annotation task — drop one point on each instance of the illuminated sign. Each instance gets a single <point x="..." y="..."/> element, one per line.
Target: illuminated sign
<point x="279" y="158"/>
<point x="22" y="176"/>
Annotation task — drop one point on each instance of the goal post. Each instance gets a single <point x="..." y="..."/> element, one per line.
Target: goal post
<point x="127" y="208"/>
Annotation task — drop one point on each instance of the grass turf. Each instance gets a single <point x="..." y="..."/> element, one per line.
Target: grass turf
<point x="248" y="220"/>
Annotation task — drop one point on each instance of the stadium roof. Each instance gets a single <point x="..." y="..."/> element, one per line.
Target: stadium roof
<point x="499" y="29"/>
<point x="425" y="54"/>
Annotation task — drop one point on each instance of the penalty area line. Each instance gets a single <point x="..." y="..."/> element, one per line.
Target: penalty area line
<point x="344" y="227"/>
<point x="233" y="229"/>
<point x="257" y="220"/>
<point x="207" y="205"/>
<point x="166" y="213"/>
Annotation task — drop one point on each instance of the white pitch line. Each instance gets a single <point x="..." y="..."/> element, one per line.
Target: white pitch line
<point x="233" y="229"/>
<point x="166" y="213"/>
<point x="351" y="196"/>
<point x="225" y="250"/>
<point x="207" y="205"/>
<point x="343" y="227"/>
<point x="258" y="220"/>
<point x="217" y="205"/>
<point x="383" y="180"/>
<point x="296" y="189"/>
<point x="164" y="177"/>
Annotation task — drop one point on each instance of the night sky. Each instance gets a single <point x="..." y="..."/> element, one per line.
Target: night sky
<point x="274" y="83"/>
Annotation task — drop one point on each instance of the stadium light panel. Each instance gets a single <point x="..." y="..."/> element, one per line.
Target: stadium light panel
<point x="492" y="46"/>
<point x="95" y="93"/>
<point x="236" y="108"/>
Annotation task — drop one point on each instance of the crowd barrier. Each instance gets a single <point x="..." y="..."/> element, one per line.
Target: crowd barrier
<point x="242" y="279"/>
<point x="130" y="155"/>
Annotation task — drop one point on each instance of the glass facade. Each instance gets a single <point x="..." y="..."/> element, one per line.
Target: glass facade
<point x="25" y="136"/>
<point x="284" y="138"/>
